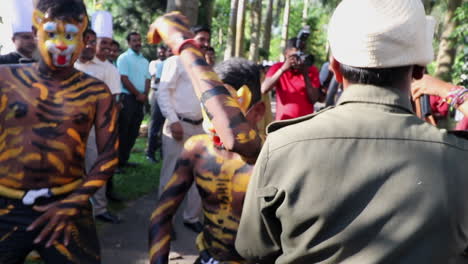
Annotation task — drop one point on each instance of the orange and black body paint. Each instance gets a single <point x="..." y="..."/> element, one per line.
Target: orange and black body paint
<point x="221" y="178"/>
<point x="44" y="125"/>
<point x="227" y="117"/>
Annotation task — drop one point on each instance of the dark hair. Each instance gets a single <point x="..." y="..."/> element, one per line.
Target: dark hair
<point x="291" y="43"/>
<point x="200" y="28"/>
<point x="132" y="34"/>
<point x="162" y="46"/>
<point x="374" y="76"/>
<point x="210" y="49"/>
<point x="238" y="72"/>
<point x="88" y="31"/>
<point x="114" y="42"/>
<point x="63" y="9"/>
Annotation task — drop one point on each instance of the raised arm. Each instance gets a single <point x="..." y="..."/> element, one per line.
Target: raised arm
<point x="230" y="123"/>
<point x="171" y="198"/>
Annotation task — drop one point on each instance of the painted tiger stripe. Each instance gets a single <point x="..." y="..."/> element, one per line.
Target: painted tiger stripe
<point x="157" y="247"/>
<point x="114" y="122"/>
<point x="74" y="134"/>
<point x="73" y="77"/>
<point x="6" y="211"/>
<point x="56" y="162"/>
<point x="161" y="208"/>
<point x="63" y="250"/>
<point x="4" y="169"/>
<point x="82" y="91"/>
<point x="30" y="157"/>
<point x="80" y="103"/>
<point x="61" y="146"/>
<point x="12" y="182"/>
<point x="10" y="153"/>
<point x="3" y="103"/>
<point x="7" y="235"/>
<point x="72" y="88"/>
<point x="43" y="90"/>
<point x="209" y="75"/>
<point x="81" y="150"/>
<point x="2" y="145"/>
<point x="89" y="96"/>
<point x="15" y="73"/>
<point x="94" y="183"/>
<point x="75" y="199"/>
<point x="109" y="164"/>
<point x="29" y="72"/>
<point x="177" y="24"/>
<point x="24" y="76"/>
<point x="76" y="171"/>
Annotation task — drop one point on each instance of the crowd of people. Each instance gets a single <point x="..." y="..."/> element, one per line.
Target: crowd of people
<point x="362" y="180"/>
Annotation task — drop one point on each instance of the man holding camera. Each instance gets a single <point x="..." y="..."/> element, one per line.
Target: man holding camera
<point x="296" y="82"/>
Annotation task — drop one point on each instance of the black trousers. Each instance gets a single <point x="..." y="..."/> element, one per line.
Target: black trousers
<point x="16" y="243"/>
<point x="130" y="119"/>
<point x="155" y="126"/>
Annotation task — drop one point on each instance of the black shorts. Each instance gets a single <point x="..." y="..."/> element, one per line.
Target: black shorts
<point x="16" y="243"/>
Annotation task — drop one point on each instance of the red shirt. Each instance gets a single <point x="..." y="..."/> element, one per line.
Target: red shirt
<point x="463" y="125"/>
<point x="291" y="96"/>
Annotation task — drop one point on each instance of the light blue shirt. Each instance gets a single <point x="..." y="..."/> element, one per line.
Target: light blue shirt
<point x="159" y="69"/>
<point x="135" y="67"/>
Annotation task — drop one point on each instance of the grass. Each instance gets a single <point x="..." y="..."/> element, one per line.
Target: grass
<point x="133" y="182"/>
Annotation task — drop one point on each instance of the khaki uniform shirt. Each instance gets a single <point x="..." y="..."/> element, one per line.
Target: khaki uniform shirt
<point x="364" y="182"/>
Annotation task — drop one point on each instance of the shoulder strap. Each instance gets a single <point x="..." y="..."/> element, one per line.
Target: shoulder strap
<point x="283" y="123"/>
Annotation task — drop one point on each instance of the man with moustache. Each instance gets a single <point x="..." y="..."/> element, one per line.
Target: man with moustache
<point x="133" y="69"/>
<point x="114" y="52"/>
<point x="181" y="108"/>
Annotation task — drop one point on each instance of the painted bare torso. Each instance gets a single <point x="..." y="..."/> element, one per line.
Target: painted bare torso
<point x="222" y="178"/>
<point x="44" y="126"/>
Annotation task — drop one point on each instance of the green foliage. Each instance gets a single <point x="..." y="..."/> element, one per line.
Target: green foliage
<point x="131" y="15"/>
<point x="220" y="26"/>
<point x="460" y="67"/>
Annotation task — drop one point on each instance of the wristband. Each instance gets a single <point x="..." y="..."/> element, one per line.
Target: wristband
<point x="185" y="42"/>
<point x="457" y="96"/>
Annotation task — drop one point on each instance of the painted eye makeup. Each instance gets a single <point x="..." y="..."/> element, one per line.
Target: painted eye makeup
<point x="69" y="36"/>
<point x="51" y="34"/>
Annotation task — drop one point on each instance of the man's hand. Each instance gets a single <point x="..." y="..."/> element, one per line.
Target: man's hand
<point x="142" y="98"/>
<point x="177" y="131"/>
<point x="290" y="62"/>
<point x="57" y="221"/>
<point x="431" y="86"/>
<point x="172" y="28"/>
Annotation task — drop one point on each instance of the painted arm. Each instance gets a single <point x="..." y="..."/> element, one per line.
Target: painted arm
<point x="171" y="198"/>
<point x="229" y="121"/>
<point x="58" y="217"/>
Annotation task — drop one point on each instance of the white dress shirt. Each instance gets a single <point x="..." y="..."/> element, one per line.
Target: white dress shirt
<point x="102" y="70"/>
<point x="176" y="93"/>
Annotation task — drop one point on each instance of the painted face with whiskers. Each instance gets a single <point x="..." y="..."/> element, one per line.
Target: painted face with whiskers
<point x="60" y="42"/>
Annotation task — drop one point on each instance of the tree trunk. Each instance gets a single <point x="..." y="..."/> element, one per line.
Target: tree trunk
<point x="256" y="20"/>
<point x="428" y="5"/>
<point x="267" y="30"/>
<point x="305" y="12"/>
<point x="231" y="40"/>
<point x="205" y="14"/>
<point x="284" y="29"/>
<point x="240" y="28"/>
<point x="187" y="7"/>
<point x="447" y="48"/>
<point x="279" y="4"/>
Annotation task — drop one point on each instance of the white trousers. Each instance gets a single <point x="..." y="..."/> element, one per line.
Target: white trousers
<point x="171" y="151"/>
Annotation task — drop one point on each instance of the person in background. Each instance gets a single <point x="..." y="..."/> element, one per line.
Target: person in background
<point x="210" y="56"/>
<point x="157" y="119"/>
<point x="23" y="37"/>
<point x="296" y="84"/>
<point x="181" y="107"/>
<point x="114" y="52"/>
<point x="133" y="69"/>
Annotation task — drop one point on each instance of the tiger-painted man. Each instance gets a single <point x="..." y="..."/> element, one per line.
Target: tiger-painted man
<point x="221" y="176"/>
<point x="46" y="112"/>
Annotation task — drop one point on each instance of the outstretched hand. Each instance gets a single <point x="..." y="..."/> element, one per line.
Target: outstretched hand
<point x="431" y="86"/>
<point x="172" y="28"/>
<point x="56" y="221"/>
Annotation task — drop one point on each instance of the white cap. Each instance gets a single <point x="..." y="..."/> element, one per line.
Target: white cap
<point x="102" y="24"/>
<point x="21" y="15"/>
<point x="381" y="33"/>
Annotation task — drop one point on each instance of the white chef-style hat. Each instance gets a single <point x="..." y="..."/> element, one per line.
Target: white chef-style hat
<point x="21" y="15"/>
<point x="102" y="24"/>
<point x="381" y="33"/>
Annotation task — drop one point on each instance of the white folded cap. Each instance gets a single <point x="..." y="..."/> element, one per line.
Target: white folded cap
<point x="21" y="15"/>
<point x="381" y="33"/>
<point x="102" y="24"/>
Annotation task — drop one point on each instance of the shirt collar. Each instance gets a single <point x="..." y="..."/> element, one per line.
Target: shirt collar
<point x="376" y="95"/>
<point x="134" y="53"/>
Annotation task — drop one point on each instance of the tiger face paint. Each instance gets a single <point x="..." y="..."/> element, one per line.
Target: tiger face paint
<point x="59" y="41"/>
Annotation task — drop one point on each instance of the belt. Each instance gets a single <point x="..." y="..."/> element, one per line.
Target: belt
<point x="190" y="121"/>
<point x="30" y="196"/>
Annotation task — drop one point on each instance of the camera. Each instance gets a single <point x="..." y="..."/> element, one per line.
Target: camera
<point x="302" y="36"/>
